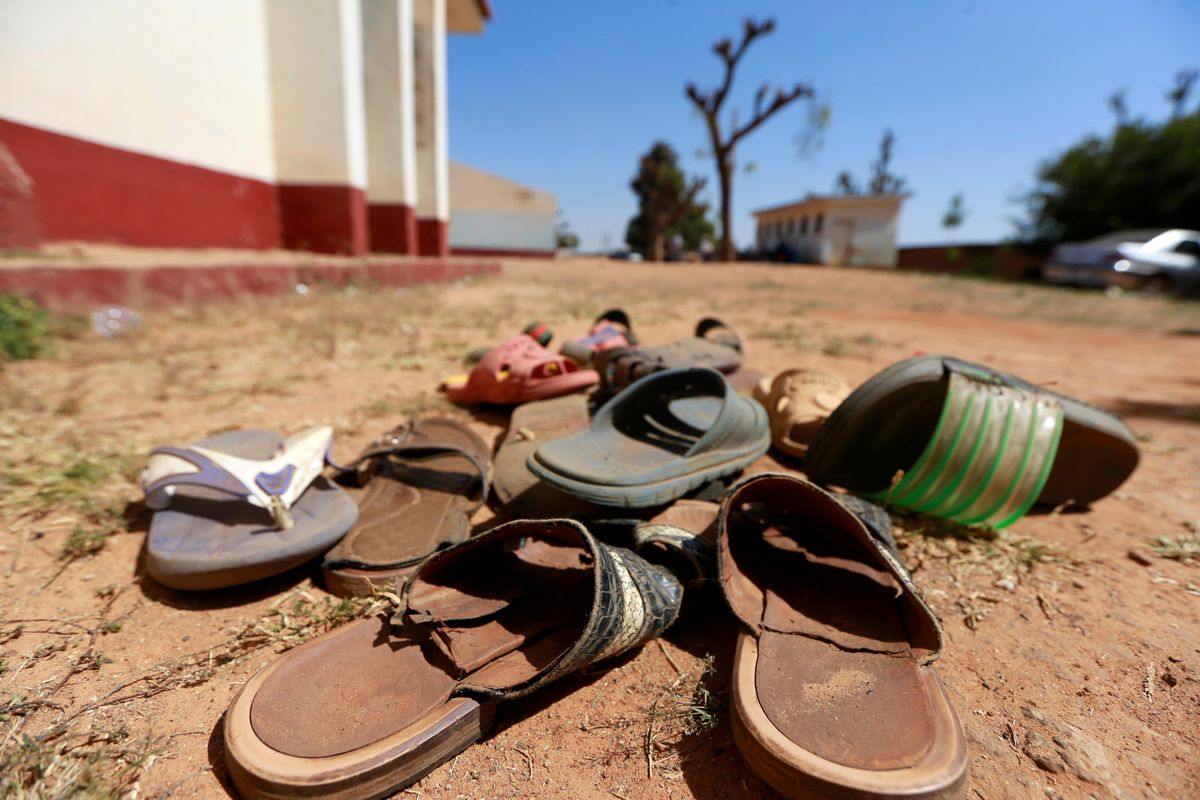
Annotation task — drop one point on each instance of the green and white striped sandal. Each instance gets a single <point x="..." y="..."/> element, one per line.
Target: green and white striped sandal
<point x="964" y="442"/>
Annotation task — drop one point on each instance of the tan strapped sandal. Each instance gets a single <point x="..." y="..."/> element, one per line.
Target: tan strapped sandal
<point x="797" y="402"/>
<point x="417" y="488"/>
<point x="834" y="692"/>
<point x="371" y="707"/>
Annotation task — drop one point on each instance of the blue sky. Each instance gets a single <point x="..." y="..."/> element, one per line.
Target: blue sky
<point x="563" y="95"/>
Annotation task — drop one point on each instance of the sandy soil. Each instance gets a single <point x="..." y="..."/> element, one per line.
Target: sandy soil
<point x="1075" y="668"/>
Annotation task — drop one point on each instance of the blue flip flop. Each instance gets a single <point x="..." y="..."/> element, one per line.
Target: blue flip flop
<point x="240" y="506"/>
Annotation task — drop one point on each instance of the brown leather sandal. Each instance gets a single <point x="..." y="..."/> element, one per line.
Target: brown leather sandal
<point x="419" y="485"/>
<point x="834" y="694"/>
<point x="371" y="707"/>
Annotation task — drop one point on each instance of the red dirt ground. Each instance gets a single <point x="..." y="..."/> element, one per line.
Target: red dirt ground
<point x="1075" y="668"/>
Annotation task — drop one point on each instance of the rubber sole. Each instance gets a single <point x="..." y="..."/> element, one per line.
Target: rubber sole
<point x="655" y="493"/>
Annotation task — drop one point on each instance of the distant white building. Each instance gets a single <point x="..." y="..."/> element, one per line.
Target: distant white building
<point x="855" y="231"/>
<point x="490" y="215"/>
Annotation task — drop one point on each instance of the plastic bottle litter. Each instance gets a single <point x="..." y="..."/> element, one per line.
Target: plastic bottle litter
<point x="112" y="321"/>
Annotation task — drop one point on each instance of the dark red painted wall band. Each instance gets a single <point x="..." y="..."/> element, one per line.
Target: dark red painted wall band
<point x="323" y="218"/>
<point x="91" y="192"/>
<point x="393" y="228"/>
<point x="19" y="226"/>
<point x="433" y="237"/>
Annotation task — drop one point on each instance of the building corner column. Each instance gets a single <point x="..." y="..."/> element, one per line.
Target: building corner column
<point x="433" y="167"/>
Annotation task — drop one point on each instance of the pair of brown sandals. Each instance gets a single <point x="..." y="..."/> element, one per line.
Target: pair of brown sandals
<point x="833" y="695"/>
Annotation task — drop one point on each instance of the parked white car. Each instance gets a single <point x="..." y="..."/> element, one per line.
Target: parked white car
<point x="1170" y="262"/>
<point x="1090" y="263"/>
<point x="1134" y="260"/>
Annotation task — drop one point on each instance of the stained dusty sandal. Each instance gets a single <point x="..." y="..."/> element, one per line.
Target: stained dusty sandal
<point x="798" y="401"/>
<point x="240" y="506"/>
<point x="417" y="488"/>
<point x="714" y="345"/>
<point x="518" y="371"/>
<point x="518" y="491"/>
<point x="965" y="442"/>
<point x="834" y="694"/>
<point x="373" y="706"/>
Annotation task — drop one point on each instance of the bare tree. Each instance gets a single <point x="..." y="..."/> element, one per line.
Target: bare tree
<point x="711" y="102"/>
<point x="845" y="184"/>
<point x="1178" y="94"/>
<point x="1116" y="102"/>
<point x="883" y="180"/>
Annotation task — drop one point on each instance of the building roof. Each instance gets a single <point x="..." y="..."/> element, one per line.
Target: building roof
<point x="474" y="189"/>
<point x="467" y="16"/>
<point x="815" y="201"/>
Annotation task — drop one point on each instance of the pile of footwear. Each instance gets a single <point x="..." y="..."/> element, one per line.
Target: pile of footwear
<point x="834" y="693"/>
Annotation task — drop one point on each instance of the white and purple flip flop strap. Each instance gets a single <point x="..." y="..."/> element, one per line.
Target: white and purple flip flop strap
<point x="274" y="484"/>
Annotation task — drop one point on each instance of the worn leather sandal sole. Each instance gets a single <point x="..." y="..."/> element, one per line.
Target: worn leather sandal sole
<point x="962" y="441"/>
<point x="833" y="693"/>
<point x="371" y="707"/>
<point x="377" y="770"/>
<point x="796" y="772"/>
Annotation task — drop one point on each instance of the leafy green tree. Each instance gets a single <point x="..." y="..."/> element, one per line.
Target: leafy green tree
<point x="1142" y="175"/>
<point x="564" y="237"/>
<point x="666" y="204"/>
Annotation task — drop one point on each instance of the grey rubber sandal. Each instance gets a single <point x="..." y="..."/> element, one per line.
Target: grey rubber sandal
<point x="669" y="433"/>
<point x="714" y="345"/>
<point x="965" y="442"/>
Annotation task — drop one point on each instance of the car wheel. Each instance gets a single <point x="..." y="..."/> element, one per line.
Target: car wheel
<point x="1157" y="284"/>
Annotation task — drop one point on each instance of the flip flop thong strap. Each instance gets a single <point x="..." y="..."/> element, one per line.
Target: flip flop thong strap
<point x="274" y="484"/>
<point x="989" y="456"/>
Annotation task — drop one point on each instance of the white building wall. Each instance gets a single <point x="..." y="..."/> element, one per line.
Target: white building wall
<point x="193" y="77"/>
<point x="387" y="27"/>
<point x="316" y="78"/>
<point x="874" y="238"/>
<point x="433" y="178"/>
